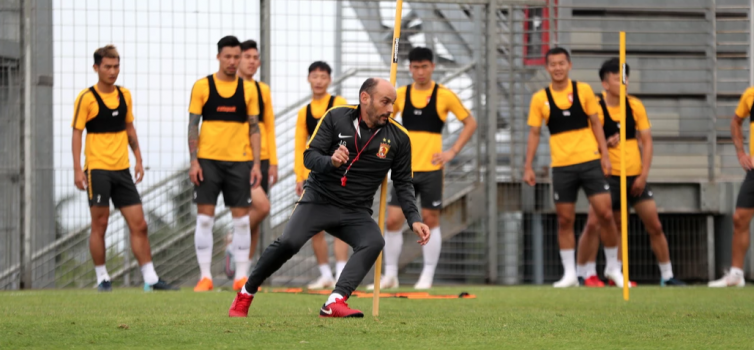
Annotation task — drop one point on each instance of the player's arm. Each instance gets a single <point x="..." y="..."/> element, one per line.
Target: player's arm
<point x="316" y="156"/>
<point x="198" y="98"/>
<point x="469" y="126"/>
<point x="301" y="137"/>
<point x="78" y="125"/>
<point x="532" y="141"/>
<point x="271" y="141"/>
<point x="736" y="131"/>
<point x="592" y="109"/>
<point x="255" y="139"/>
<point x="402" y="177"/>
<point x="133" y="141"/>
<point x="78" y="173"/>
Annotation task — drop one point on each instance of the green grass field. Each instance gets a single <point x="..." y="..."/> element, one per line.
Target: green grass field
<point x="500" y="317"/>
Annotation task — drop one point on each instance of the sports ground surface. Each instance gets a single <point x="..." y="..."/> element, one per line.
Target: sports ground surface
<point x="500" y="317"/>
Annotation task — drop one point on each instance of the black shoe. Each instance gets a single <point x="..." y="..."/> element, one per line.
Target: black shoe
<point x="105" y="286"/>
<point x="160" y="285"/>
<point x="581" y="281"/>
<point x="672" y="282"/>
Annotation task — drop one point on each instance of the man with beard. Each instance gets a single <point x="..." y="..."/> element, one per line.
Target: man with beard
<point x="350" y="152"/>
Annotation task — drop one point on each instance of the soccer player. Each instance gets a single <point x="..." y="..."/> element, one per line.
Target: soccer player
<point x="221" y="156"/>
<point x="579" y="160"/>
<point x="319" y="80"/>
<point x="745" y="202"/>
<point x="350" y="153"/>
<point x="424" y="107"/>
<point x="105" y="110"/>
<point x="638" y="162"/>
<point x="260" y="203"/>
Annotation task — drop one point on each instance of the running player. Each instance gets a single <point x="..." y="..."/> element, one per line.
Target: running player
<point x="221" y="156"/>
<point x="638" y="162"/>
<point x="580" y="159"/>
<point x="319" y="79"/>
<point x="745" y="203"/>
<point x="105" y="110"/>
<point x="424" y="107"/>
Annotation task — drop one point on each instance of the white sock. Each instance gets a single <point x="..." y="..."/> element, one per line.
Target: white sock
<point x="325" y="271"/>
<point x="431" y="252"/>
<point x="611" y="258"/>
<point x="591" y="269"/>
<point x="102" y="274"/>
<point x="339" y="266"/>
<point x="244" y="291"/>
<point x="666" y="270"/>
<point x="581" y="271"/>
<point x="735" y="271"/>
<point x="568" y="257"/>
<point x="393" y="246"/>
<point x="241" y="245"/>
<point x="332" y="298"/>
<point x="149" y="274"/>
<point x="203" y="241"/>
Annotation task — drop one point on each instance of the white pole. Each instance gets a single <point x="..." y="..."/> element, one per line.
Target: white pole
<point x="27" y="204"/>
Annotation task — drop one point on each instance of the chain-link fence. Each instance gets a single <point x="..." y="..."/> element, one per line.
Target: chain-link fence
<point x="690" y="61"/>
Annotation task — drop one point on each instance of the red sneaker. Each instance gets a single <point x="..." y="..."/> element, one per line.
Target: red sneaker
<point x="631" y="284"/>
<point x="240" y="306"/>
<point x="594" y="282"/>
<point x="339" y="309"/>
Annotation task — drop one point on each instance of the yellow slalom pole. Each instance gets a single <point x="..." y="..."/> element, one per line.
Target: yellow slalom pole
<point x="623" y="197"/>
<point x="383" y="191"/>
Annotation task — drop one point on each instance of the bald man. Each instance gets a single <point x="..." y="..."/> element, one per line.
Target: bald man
<point x="349" y="153"/>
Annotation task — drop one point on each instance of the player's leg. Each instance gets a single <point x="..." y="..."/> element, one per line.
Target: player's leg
<point x="236" y="189"/>
<point x="360" y="231"/>
<point x="586" y="254"/>
<point x="598" y="190"/>
<point x="646" y="209"/>
<point x="393" y="242"/>
<point x="429" y="185"/>
<point x="340" y="249"/>
<point x="98" y="191"/>
<point x="260" y="209"/>
<point x="740" y="244"/>
<point x="325" y="280"/>
<point x="205" y="197"/>
<point x="306" y="220"/>
<point x="565" y="183"/>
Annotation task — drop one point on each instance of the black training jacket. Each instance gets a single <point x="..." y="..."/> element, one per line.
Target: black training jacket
<point x="389" y="150"/>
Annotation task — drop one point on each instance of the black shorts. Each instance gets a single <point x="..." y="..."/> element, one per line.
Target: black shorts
<point x="614" y="182"/>
<point x="264" y="166"/>
<point x="746" y="193"/>
<point x="567" y="180"/>
<point x="115" y="185"/>
<point x="428" y="185"/>
<point x="230" y="178"/>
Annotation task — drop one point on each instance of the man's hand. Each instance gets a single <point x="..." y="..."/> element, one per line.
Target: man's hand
<point x="195" y="173"/>
<point x="607" y="168"/>
<point x="613" y="141"/>
<point x="638" y="187"/>
<point x="744" y="160"/>
<point x="444" y="157"/>
<point x="529" y="177"/>
<point x="273" y="175"/>
<point x="299" y="188"/>
<point x="340" y="156"/>
<point x="256" y="176"/>
<point x="79" y="178"/>
<point x="138" y="173"/>
<point x="422" y="231"/>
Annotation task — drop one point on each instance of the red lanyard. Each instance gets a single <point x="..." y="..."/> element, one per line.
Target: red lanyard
<point x="358" y="152"/>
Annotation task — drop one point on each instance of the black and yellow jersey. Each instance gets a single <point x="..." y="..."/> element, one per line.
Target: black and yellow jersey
<point x="224" y="107"/>
<point x="308" y="117"/>
<point x="104" y="116"/>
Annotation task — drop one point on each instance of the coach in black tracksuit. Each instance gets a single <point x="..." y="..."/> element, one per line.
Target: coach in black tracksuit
<point x="350" y="152"/>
